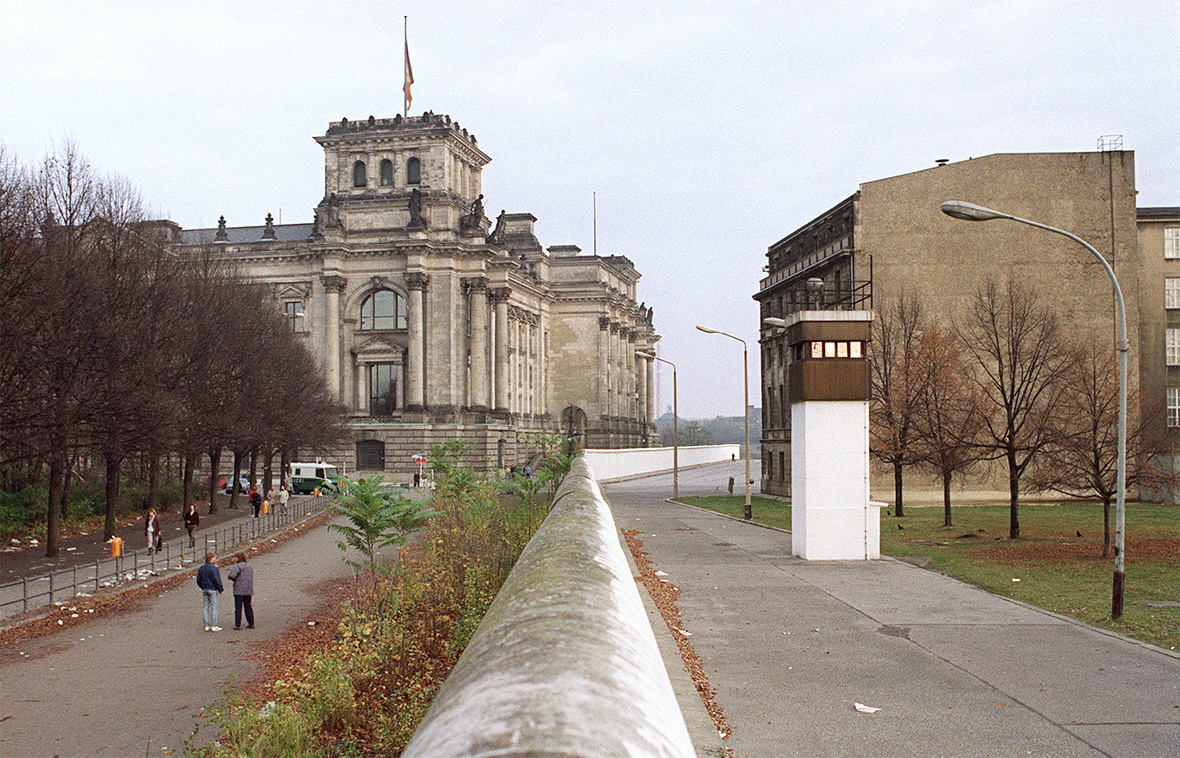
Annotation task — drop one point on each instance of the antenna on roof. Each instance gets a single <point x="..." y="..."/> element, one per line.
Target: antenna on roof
<point x="594" y="195"/>
<point x="1108" y="143"/>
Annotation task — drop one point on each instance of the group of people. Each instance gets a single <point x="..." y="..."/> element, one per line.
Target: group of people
<point x="209" y="580"/>
<point x="192" y="519"/>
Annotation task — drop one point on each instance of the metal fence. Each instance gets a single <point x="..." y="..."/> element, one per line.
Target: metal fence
<point x="79" y="579"/>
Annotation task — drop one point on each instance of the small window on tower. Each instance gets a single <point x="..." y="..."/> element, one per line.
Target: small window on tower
<point x="413" y="171"/>
<point x="359" y="178"/>
<point x="386" y="173"/>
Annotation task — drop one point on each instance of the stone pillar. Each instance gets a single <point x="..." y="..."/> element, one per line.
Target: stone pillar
<point x="478" y="305"/>
<point x="641" y="390"/>
<point x="333" y="286"/>
<point x="416" y="360"/>
<point x="499" y="297"/>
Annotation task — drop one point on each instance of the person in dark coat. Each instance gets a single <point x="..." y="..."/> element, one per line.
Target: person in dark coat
<point x="192" y="520"/>
<point x="256" y="500"/>
<point x="242" y="575"/>
<point x="209" y="580"/>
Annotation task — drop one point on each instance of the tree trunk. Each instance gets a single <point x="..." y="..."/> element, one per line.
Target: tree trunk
<point x="897" y="486"/>
<point x="946" y="498"/>
<point x="284" y="466"/>
<point x="214" y="459"/>
<point x="1013" y="498"/>
<point x="186" y="480"/>
<point x="1106" y="526"/>
<point x="267" y="478"/>
<point x="53" y="517"/>
<point x="234" y="486"/>
<point x="153" y="480"/>
<point x="112" y="495"/>
<point x="254" y="467"/>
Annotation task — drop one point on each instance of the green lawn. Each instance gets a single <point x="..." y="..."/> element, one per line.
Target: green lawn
<point x="1057" y="570"/>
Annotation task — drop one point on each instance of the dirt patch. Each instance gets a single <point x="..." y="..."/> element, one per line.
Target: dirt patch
<point x="1047" y="552"/>
<point x="665" y="594"/>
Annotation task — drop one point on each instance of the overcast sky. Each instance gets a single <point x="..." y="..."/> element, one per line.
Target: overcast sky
<point x="707" y="130"/>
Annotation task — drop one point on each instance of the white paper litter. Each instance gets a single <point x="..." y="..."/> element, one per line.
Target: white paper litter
<point x="865" y="708"/>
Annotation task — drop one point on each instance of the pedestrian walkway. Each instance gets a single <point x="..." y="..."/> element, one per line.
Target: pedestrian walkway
<point x="792" y="646"/>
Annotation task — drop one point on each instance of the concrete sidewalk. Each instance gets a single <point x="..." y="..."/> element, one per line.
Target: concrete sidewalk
<point x="791" y="646"/>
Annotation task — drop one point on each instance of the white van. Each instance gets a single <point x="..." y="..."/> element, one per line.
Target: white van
<point x="305" y="477"/>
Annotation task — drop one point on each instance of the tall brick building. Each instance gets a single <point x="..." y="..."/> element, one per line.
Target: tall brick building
<point x="433" y="322"/>
<point x="889" y="237"/>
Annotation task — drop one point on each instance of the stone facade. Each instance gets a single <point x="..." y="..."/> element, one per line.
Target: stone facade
<point x="432" y="322"/>
<point x="890" y="238"/>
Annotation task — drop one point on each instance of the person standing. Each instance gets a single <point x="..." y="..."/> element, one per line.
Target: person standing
<point x="151" y="528"/>
<point x="192" y="520"/>
<point x="255" y="499"/>
<point x="242" y="575"/>
<point x="209" y="580"/>
<point x="284" y="496"/>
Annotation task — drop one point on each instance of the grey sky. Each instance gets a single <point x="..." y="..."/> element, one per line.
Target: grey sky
<point x="707" y="130"/>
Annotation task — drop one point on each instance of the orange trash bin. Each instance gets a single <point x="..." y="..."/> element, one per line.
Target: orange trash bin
<point x="265" y="507"/>
<point x="116" y="547"/>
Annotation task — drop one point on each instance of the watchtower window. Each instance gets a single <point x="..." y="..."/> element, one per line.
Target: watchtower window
<point x="413" y="171"/>
<point x="359" y="178"/>
<point x="386" y="173"/>
<point x="383" y="310"/>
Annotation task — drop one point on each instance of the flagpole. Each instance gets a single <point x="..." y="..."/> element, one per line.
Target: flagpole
<point x="406" y="71"/>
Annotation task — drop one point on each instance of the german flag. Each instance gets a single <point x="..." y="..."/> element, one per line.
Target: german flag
<point x="409" y="79"/>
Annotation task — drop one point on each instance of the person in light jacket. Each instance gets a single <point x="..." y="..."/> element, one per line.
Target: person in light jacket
<point x="151" y="528"/>
<point x="209" y="580"/>
<point x="242" y="575"/>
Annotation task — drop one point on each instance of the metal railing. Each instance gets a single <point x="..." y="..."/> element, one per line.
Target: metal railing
<point x="565" y="661"/>
<point x="31" y="593"/>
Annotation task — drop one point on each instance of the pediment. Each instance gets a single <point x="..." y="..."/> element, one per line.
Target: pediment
<point x="378" y="347"/>
<point x="291" y="291"/>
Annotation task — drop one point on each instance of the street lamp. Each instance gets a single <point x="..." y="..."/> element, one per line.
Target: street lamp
<point x="972" y="212"/>
<point x="745" y="408"/>
<point x="675" y="425"/>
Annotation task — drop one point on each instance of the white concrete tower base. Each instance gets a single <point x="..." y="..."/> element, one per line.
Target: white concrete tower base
<point x="831" y="518"/>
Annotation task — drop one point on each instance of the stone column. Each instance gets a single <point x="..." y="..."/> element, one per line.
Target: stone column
<point x="641" y="389"/>
<point x="604" y="371"/>
<point x="333" y="286"/>
<point x="499" y="297"/>
<point x="416" y="360"/>
<point x="478" y="305"/>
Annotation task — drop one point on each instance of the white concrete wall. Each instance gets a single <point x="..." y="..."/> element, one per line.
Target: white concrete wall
<point x="619" y="464"/>
<point x="831" y="518"/>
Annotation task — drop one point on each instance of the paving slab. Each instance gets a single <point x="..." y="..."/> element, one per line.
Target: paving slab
<point x="792" y="646"/>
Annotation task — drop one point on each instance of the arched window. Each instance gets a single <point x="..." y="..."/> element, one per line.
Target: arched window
<point x="383" y="310"/>
<point x="386" y="173"/>
<point x="359" y="178"/>
<point x="413" y="171"/>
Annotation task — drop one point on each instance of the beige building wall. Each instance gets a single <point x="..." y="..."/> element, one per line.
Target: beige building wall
<point x="902" y="243"/>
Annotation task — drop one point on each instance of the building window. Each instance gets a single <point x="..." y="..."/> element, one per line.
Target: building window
<point x="1172" y="242"/>
<point x="382" y="388"/>
<point x="383" y="310"/>
<point x="370" y="455"/>
<point x="1173" y="347"/>
<point x="359" y="178"/>
<point x="293" y="310"/>
<point x="386" y="173"/>
<point x="1173" y="406"/>
<point x="1172" y="292"/>
<point x="413" y="171"/>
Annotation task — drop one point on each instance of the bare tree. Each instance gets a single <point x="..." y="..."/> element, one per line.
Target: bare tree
<point x="1019" y="361"/>
<point x="947" y="424"/>
<point x="898" y="374"/>
<point x="1083" y="459"/>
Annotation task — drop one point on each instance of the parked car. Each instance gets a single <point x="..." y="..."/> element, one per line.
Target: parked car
<point x="243" y="485"/>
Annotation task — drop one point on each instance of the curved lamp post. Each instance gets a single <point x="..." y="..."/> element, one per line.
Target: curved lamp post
<point x="972" y="212"/>
<point x="675" y="425"/>
<point x="745" y="409"/>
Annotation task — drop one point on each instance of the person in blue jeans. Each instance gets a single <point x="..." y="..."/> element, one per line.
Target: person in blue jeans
<point x="242" y="575"/>
<point x="209" y="580"/>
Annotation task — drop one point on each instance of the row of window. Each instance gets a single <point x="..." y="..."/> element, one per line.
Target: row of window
<point x="384" y="310"/>
<point x="360" y="173"/>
